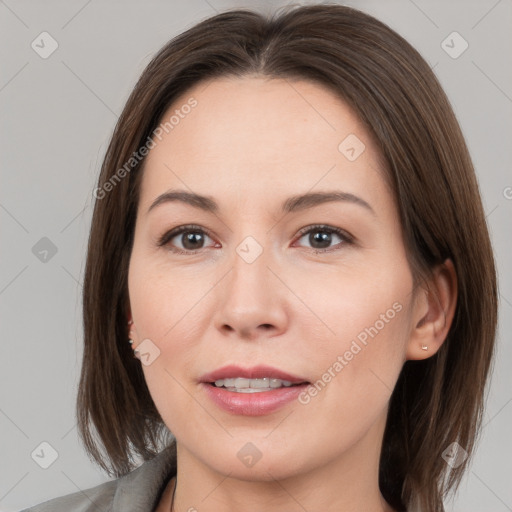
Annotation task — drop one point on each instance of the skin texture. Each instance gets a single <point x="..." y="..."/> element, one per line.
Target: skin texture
<point x="250" y="144"/>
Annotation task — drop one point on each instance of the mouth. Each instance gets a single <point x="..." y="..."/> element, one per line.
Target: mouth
<point x="242" y="385"/>
<point x="256" y="379"/>
<point x="256" y="391"/>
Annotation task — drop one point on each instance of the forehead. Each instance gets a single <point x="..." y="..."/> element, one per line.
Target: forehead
<point x="261" y="136"/>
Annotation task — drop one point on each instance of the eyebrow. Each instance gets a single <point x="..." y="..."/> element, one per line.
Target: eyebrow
<point x="292" y="204"/>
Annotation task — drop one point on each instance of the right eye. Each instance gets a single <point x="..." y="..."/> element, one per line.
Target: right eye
<point x="189" y="239"/>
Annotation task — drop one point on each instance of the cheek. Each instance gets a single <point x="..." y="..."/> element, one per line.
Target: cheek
<point x="165" y="300"/>
<point x="168" y="312"/>
<point x="358" y="348"/>
<point x="353" y="303"/>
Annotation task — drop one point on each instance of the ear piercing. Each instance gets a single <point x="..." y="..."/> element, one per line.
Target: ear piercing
<point x="135" y="351"/>
<point x="130" y="341"/>
<point x="424" y="347"/>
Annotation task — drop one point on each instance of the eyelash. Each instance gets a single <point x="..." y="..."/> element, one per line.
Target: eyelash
<point x="169" y="235"/>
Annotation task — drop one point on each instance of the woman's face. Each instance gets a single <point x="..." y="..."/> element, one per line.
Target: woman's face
<point x="272" y="272"/>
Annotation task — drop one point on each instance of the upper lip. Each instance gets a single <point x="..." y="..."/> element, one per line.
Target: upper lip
<point x="254" y="372"/>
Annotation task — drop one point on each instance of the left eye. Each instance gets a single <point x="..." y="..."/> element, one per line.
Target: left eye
<point x="321" y="237"/>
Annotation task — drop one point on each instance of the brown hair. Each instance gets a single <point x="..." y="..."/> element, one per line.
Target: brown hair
<point x="394" y="92"/>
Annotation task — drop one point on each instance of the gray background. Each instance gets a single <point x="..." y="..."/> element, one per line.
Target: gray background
<point x="57" y="115"/>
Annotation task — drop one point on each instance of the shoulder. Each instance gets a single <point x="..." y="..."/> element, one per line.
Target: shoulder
<point x="96" y="498"/>
<point x="138" y="490"/>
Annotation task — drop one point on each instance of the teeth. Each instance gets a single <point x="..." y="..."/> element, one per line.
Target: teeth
<point x="242" y="385"/>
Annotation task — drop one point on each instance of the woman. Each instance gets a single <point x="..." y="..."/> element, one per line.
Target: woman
<point x="289" y="238"/>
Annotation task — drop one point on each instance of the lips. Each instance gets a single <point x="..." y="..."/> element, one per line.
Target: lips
<point x="255" y="372"/>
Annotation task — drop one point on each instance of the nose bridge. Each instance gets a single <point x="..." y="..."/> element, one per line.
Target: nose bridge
<point x="249" y="280"/>
<point x="250" y="298"/>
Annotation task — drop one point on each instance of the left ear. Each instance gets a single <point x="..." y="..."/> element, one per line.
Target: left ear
<point x="132" y="331"/>
<point x="433" y="312"/>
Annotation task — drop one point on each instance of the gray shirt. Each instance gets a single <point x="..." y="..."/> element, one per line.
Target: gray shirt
<point x="138" y="491"/>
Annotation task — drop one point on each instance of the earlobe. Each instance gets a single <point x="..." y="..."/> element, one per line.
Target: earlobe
<point x="131" y="326"/>
<point x="132" y="330"/>
<point x="132" y="336"/>
<point x="433" y="313"/>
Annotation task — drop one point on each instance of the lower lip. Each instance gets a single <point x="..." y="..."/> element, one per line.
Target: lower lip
<point x="253" y="404"/>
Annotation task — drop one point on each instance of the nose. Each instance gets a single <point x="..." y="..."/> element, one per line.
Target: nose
<point x="251" y="301"/>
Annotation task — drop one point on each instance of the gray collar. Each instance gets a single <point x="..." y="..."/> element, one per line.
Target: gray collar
<point x="141" y="489"/>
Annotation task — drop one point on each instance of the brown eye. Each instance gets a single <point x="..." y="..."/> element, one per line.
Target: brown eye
<point x="185" y="239"/>
<point x="192" y="240"/>
<point x="324" y="238"/>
